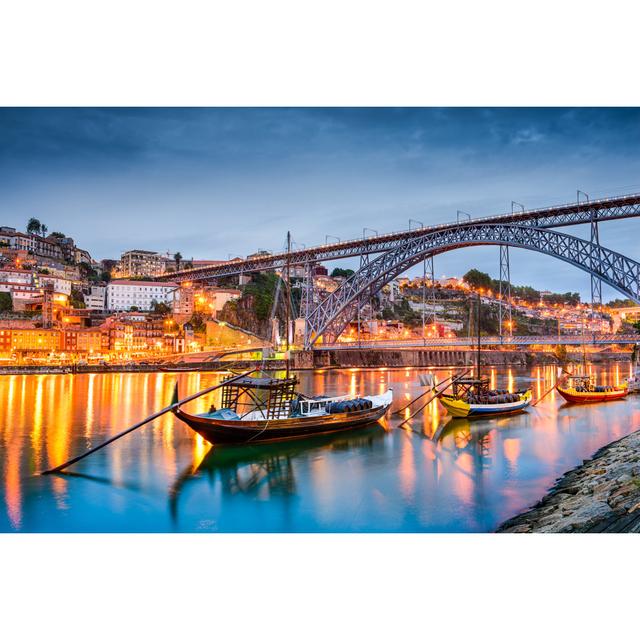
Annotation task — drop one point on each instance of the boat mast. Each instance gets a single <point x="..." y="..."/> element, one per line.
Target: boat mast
<point x="478" y="330"/>
<point x="288" y="302"/>
<point x="584" y="349"/>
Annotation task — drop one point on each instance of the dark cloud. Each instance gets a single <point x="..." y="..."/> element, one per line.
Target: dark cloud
<point x="209" y="182"/>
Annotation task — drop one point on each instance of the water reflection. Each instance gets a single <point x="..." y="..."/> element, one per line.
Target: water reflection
<point x="434" y="474"/>
<point x="265" y="470"/>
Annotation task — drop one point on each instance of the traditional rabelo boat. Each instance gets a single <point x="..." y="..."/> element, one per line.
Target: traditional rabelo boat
<point x="581" y="389"/>
<point x="265" y="409"/>
<point x="473" y="397"/>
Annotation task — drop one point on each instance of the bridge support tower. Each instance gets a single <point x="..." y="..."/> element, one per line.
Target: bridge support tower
<point x="504" y="314"/>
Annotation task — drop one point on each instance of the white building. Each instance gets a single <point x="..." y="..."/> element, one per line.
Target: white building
<point x="124" y="294"/>
<point x="9" y="275"/>
<point x="60" y="285"/>
<point x="96" y="299"/>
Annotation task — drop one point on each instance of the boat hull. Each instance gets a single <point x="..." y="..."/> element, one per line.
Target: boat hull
<point x="460" y="409"/>
<point x="581" y="397"/>
<point x="246" y="431"/>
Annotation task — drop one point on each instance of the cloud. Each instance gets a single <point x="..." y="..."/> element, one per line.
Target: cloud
<point x="209" y="182"/>
<point x="524" y="136"/>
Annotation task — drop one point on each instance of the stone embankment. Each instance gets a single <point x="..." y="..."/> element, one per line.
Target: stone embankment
<point x="373" y="358"/>
<point x="601" y="495"/>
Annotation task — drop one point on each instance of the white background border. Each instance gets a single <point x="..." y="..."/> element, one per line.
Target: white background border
<point x="318" y="53"/>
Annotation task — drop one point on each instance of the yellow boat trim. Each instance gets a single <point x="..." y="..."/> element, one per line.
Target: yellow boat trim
<point x="461" y="409"/>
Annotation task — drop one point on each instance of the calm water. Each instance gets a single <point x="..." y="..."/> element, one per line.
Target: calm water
<point x="441" y="475"/>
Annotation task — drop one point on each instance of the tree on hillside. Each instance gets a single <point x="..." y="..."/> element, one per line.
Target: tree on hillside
<point x="58" y="234"/>
<point x="342" y="273"/>
<point x="6" y="303"/>
<point x="34" y="226"/>
<point x="43" y="230"/>
<point x="177" y="256"/>
<point x="87" y="272"/>
<point x="618" y="303"/>
<point x="478" y="279"/>
<point x="161" y="308"/>
<point x="76" y="299"/>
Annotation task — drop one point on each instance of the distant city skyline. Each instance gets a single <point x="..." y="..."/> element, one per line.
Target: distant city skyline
<point x="217" y="182"/>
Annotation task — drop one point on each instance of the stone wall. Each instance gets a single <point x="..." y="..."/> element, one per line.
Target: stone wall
<point x="363" y="358"/>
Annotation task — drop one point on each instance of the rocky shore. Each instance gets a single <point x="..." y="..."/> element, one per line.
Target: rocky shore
<point x="600" y="495"/>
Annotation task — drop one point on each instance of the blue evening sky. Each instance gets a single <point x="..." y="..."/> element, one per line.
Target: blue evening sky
<point x="214" y="182"/>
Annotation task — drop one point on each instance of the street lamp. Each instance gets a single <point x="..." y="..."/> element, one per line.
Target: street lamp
<point x="461" y="213"/>
<point x="416" y="222"/>
<point x="364" y="232"/>
<point x="326" y="238"/>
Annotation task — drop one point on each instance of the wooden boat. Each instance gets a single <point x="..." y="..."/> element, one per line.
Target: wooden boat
<point x="580" y="390"/>
<point x="256" y="410"/>
<point x="472" y="398"/>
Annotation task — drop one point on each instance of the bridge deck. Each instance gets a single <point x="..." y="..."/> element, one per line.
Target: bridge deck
<point x="615" y="208"/>
<point x="487" y="341"/>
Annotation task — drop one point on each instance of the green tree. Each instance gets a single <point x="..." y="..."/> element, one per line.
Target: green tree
<point x="6" y="303"/>
<point x="161" y="308"/>
<point x="560" y="352"/>
<point x="478" y="279"/>
<point x="87" y="272"/>
<point x="58" y="234"/>
<point x="618" y="303"/>
<point x="76" y="299"/>
<point x="342" y="273"/>
<point x="43" y="230"/>
<point x="177" y="256"/>
<point x="34" y="226"/>
<point x="199" y="322"/>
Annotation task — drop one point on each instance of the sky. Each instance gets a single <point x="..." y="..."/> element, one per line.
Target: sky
<point x="215" y="183"/>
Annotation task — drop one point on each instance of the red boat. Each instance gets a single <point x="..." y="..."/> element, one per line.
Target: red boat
<point x="580" y="390"/>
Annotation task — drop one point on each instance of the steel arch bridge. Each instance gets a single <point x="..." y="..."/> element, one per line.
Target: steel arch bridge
<point x="333" y="313"/>
<point x="589" y="212"/>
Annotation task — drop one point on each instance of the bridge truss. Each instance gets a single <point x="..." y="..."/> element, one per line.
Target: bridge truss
<point x="616" y="270"/>
<point x="607" y="209"/>
<point x="398" y="251"/>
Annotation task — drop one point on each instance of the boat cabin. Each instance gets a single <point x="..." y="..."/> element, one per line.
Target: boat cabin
<point x="586" y="384"/>
<point x="471" y="386"/>
<point x="267" y="398"/>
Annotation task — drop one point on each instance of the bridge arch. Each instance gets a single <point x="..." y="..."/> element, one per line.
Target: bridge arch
<point x="615" y="269"/>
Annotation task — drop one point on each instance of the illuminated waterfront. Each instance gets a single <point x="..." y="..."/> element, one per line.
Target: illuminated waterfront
<point x="463" y="476"/>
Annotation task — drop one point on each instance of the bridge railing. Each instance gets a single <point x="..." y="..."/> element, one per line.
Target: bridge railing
<point x="486" y="341"/>
<point x="549" y="211"/>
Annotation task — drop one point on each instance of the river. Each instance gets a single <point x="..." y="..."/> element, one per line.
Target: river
<point x="437" y="476"/>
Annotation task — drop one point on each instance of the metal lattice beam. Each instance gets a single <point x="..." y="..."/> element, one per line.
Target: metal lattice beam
<point x="575" y="213"/>
<point x="505" y="291"/>
<point x="616" y="270"/>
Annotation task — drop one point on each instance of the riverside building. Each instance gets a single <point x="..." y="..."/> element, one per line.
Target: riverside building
<point x="138" y="263"/>
<point x="122" y="295"/>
